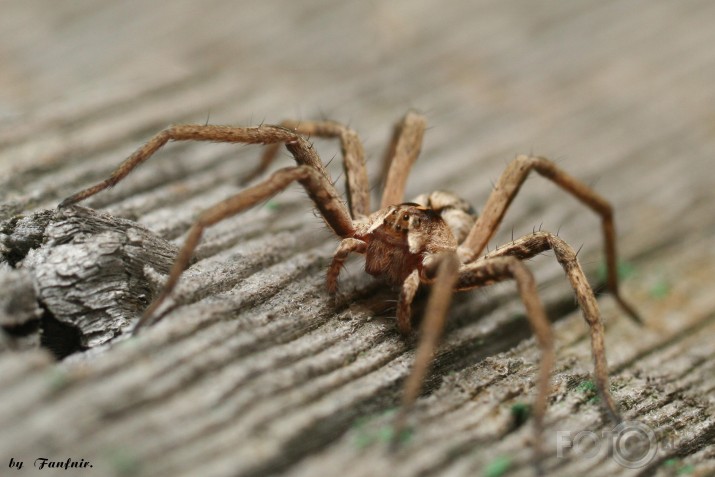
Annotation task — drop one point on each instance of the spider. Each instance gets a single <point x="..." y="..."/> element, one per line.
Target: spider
<point x="435" y="240"/>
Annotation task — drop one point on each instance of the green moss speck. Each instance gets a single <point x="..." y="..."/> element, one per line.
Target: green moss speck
<point x="625" y="271"/>
<point x="587" y="386"/>
<point x="679" y="467"/>
<point x="497" y="467"/>
<point x="367" y="434"/>
<point x="57" y="379"/>
<point x="660" y="289"/>
<point x="686" y="469"/>
<point x="520" y="413"/>
<point x="123" y="461"/>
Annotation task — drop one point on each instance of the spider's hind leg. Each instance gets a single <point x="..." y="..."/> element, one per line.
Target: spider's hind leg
<point x="506" y="189"/>
<point x="356" y="180"/>
<point x="533" y="244"/>
<point x="402" y="152"/>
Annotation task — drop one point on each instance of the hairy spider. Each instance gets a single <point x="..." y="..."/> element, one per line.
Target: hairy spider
<point x="436" y="240"/>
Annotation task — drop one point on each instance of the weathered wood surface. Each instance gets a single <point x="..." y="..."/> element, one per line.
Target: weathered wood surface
<point x="256" y="370"/>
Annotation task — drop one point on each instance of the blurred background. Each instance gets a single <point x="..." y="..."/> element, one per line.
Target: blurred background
<point x="589" y="84"/>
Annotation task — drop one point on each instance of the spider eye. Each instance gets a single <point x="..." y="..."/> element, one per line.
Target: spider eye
<point x="405" y="217"/>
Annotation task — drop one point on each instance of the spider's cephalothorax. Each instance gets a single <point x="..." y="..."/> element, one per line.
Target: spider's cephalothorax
<point x="400" y="237"/>
<point x="436" y="240"/>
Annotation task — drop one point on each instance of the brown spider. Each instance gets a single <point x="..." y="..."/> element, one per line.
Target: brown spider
<point x="436" y="240"/>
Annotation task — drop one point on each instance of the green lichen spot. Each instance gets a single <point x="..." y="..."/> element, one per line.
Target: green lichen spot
<point x="124" y="462"/>
<point x="272" y="206"/>
<point x="386" y="435"/>
<point x="625" y="270"/>
<point x="57" y="379"/>
<point x="520" y="412"/>
<point x="587" y="386"/>
<point x="363" y="440"/>
<point x="660" y="289"/>
<point x="679" y="467"/>
<point x="368" y="433"/>
<point x="497" y="467"/>
<point x="686" y="469"/>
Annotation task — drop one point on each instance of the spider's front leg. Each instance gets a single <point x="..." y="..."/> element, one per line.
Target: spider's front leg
<point x="185" y="132"/>
<point x="445" y="270"/>
<point x="310" y="173"/>
<point x="346" y="247"/>
<point x="404" y="302"/>
<point x="312" y="180"/>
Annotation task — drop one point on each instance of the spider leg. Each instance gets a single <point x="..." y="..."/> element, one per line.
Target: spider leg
<point x="447" y="274"/>
<point x="404" y="148"/>
<point x="184" y="132"/>
<point x="404" y="305"/>
<point x="327" y="199"/>
<point x="506" y="189"/>
<point x="530" y="246"/>
<point x="346" y="246"/>
<point x="491" y="270"/>
<point x="482" y="273"/>
<point x="312" y="180"/>
<point x="356" y="179"/>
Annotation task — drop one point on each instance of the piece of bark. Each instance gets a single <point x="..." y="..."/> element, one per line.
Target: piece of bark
<point x="19" y="310"/>
<point x="87" y="269"/>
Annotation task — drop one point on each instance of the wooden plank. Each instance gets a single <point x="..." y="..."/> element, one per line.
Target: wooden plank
<point x="256" y="370"/>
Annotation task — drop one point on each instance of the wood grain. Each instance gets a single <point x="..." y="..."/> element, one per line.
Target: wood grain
<point x="255" y="370"/>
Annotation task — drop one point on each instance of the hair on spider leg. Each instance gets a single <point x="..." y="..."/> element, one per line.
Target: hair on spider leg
<point x="322" y="114"/>
<point x="338" y="177"/>
<point x="593" y="181"/>
<point x="494" y="184"/>
<point x="330" y="161"/>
